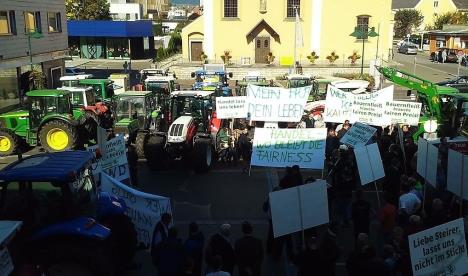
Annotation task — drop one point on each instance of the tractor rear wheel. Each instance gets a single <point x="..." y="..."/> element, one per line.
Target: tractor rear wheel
<point x="9" y="142"/>
<point x="154" y="151"/>
<point x="58" y="136"/>
<point x="202" y="155"/>
<point x="140" y="143"/>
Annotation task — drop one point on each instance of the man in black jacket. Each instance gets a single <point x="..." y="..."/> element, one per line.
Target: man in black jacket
<point x="220" y="245"/>
<point x="249" y="252"/>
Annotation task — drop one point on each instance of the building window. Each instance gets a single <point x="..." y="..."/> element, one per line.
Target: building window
<point x="230" y="8"/>
<point x="363" y="25"/>
<point x="55" y="23"/>
<point x="259" y="43"/>
<point x="265" y="44"/>
<point x="291" y="8"/>
<point x="32" y="22"/>
<point x="436" y="4"/>
<point x="7" y="23"/>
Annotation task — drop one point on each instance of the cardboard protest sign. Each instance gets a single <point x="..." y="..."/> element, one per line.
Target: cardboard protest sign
<point x="276" y="104"/>
<point x="114" y="161"/>
<point x="427" y="159"/>
<point x="287" y="147"/>
<point x="299" y="208"/>
<point x="144" y="209"/>
<point x="358" y="135"/>
<point x="457" y="173"/>
<point x="231" y="107"/>
<point x="369" y="163"/>
<point x="440" y="250"/>
<point x="365" y="108"/>
<point x="400" y="112"/>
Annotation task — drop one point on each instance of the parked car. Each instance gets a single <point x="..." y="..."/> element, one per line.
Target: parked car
<point x="460" y="83"/>
<point x="72" y="71"/>
<point x="452" y="56"/>
<point x="408" y="49"/>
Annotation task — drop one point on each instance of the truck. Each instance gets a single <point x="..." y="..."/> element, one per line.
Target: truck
<point x="191" y="135"/>
<point x="442" y="107"/>
<point x="69" y="227"/>
<point x="48" y="120"/>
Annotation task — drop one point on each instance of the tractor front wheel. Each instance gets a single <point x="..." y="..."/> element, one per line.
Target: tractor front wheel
<point x="58" y="136"/>
<point x="154" y="152"/>
<point x="9" y="142"/>
<point x="202" y="155"/>
<point x="140" y="143"/>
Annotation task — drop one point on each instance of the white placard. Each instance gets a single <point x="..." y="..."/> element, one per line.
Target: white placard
<point x="358" y="135"/>
<point x="364" y="108"/>
<point x="231" y="107"/>
<point x="287" y="147"/>
<point x="432" y="160"/>
<point x="440" y="250"/>
<point x="299" y="208"/>
<point x="276" y="104"/>
<point x="6" y="264"/>
<point x="400" y="112"/>
<point x="369" y="163"/>
<point x="114" y="161"/>
<point x="144" y="209"/>
<point x="457" y="173"/>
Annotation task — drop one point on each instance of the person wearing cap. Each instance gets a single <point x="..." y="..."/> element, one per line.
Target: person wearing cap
<point x="219" y="244"/>
<point x="249" y="252"/>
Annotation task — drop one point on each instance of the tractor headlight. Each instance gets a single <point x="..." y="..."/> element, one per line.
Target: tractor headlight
<point x="430" y="126"/>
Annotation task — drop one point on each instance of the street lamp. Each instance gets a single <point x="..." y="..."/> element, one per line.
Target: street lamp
<point x="36" y="35"/>
<point x="361" y="32"/>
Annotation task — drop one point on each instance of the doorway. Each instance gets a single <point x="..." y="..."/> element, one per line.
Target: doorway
<point x="196" y="49"/>
<point x="55" y="74"/>
<point x="262" y="49"/>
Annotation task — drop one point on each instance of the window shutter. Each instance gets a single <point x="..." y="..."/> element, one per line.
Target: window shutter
<point x="37" y="17"/>
<point x="11" y="15"/>
<point x="59" y="22"/>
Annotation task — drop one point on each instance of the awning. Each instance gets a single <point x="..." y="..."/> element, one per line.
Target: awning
<point x="262" y="25"/>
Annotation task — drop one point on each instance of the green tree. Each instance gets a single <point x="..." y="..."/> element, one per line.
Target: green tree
<point x="454" y="18"/>
<point x="406" y="20"/>
<point x="175" y="43"/>
<point x="87" y="9"/>
<point x="158" y="28"/>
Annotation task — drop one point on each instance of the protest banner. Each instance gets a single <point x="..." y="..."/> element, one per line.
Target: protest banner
<point x="231" y="107"/>
<point x="426" y="163"/>
<point x="440" y="250"/>
<point x="299" y="208"/>
<point x="369" y="163"/>
<point x="114" y="160"/>
<point x="364" y="108"/>
<point x="144" y="209"/>
<point x="275" y="104"/>
<point x="287" y="147"/>
<point x="358" y="135"/>
<point x="457" y="173"/>
<point x="400" y="112"/>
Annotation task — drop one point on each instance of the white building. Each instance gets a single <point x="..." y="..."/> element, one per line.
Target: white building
<point x="127" y="11"/>
<point x="176" y="13"/>
<point x="17" y="20"/>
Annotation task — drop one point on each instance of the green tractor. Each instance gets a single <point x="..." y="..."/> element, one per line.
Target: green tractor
<point x="49" y="120"/>
<point x="254" y="79"/>
<point x="138" y="114"/>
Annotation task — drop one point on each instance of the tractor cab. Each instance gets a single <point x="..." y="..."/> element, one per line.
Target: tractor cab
<point x="145" y="73"/>
<point x="253" y="78"/>
<point x="135" y="110"/>
<point x="297" y="80"/>
<point x="196" y="104"/>
<point x="72" y="81"/>
<point x="103" y="88"/>
<point x="213" y="77"/>
<point x="162" y="86"/>
<point x="64" y="215"/>
<point x="454" y="110"/>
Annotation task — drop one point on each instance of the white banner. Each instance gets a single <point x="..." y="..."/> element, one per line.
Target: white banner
<point x="457" y="173"/>
<point x="369" y="163"/>
<point x="427" y="159"/>
<point x="400" y="112"/>
<point x="299" y="208"/>
<point x="358" y="135"/>
<point x="364" y="108"/>
<point x="231" y="107"/>
<point x="144" y="209"/>
<point x="440" y="250"/>
<point x="114" y="161"/>
<point x="287" y="147"/>
<point x="275" y="104"/>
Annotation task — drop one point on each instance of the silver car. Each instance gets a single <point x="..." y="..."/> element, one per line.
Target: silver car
<point x="408" y="49"/>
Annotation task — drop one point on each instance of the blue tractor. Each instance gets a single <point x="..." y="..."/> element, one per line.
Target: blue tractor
<point x="67" y="223"/>
<point x="213" y="77"/>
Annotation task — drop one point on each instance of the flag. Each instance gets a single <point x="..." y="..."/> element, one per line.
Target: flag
<point x="299" y="38"/>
